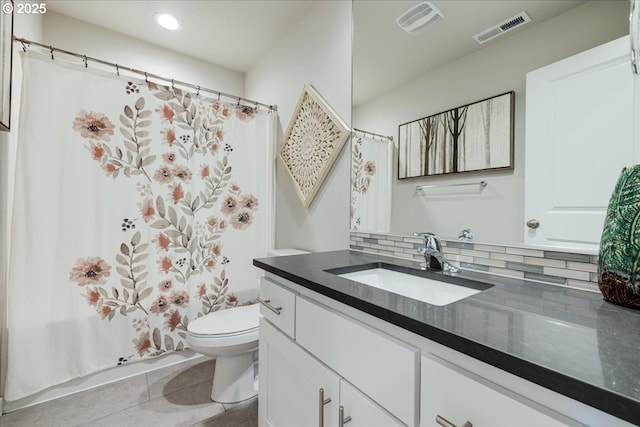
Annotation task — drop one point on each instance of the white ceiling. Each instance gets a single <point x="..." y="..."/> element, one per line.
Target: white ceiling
<point x="237" y="33"/>
<point x="385" y="55"/>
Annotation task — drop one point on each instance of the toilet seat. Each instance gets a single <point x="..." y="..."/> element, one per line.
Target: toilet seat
<point x="226" y="323"/>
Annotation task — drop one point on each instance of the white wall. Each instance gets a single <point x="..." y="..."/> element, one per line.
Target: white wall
<point x="80" y="37"/>
<point x="315" y="50"/>
<point x="495" y="215"/>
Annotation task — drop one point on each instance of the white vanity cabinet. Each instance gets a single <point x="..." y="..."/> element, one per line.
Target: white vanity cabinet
<point x="383" y="368"/>
<point x="292" y="383"/>
<point x="299" y="385"/>
<point x="297" y="390"/>
<point x="382" y="375"/>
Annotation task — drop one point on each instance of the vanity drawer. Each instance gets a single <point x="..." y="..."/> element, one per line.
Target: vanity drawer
<point x="278" y="305"/>
<point x="458" y="396"/>
<point x="382" y="367"/>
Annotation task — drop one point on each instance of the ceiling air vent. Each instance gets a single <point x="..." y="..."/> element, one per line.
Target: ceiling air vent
<point x="503" y="27"/>
<point x="418" y="17"/>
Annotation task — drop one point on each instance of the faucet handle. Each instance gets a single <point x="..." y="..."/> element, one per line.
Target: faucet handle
<point x="425" y="234"/>
<point x="431" y="240"/>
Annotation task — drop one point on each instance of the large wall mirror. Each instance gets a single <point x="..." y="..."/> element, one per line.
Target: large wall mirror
<point x="399" y="77"/>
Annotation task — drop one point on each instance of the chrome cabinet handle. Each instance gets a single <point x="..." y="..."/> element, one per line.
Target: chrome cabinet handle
<point x="266" y="302"/>
<point x="634" y="33"/>
<point x="341" y="419"/>
<point x="321" y="403"/>
<point x="446" y="423"/>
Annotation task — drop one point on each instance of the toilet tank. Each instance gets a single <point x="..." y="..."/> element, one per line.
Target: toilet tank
<point x="286" y="251"/>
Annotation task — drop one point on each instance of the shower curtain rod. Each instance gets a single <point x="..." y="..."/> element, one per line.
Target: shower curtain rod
<point x="390" y="138"/>
<point x="146" y="75"/>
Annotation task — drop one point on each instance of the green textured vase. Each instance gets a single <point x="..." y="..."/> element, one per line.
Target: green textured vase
<point x="619" y="257"/>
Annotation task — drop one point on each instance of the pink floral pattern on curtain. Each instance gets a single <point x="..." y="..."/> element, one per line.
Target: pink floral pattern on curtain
<point x="136" y="209"/>
<point x="177" y="226"/>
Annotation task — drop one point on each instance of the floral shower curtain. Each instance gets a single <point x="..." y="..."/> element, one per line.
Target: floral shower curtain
<point x="138" y="207"/>
<point x="370" y="183"/>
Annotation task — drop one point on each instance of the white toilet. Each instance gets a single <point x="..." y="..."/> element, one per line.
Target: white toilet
<point x="231" y="336"/>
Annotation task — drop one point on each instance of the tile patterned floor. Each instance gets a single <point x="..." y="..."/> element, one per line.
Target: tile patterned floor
<point x="173" y="396"/>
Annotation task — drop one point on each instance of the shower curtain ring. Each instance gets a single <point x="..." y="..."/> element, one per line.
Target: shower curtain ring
<point x="85" y="61"/>
<point x="24" y="46"/>
<point x="198" y="92"/>
<point x="51" y="50"/>
<point x="173" y="86"/>
<point x="218" y="96"/>
<point x="146" y="78"/>
<point x="117" y="70"/>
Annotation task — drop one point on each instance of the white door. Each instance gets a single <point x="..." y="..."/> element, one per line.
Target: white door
<point x="580" y="133"/>
<point x="290" y="384"/>
<point x="360" y="411"/>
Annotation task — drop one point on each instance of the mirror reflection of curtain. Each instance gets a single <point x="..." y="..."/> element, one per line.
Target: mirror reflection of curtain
<point x="370" y="182"/>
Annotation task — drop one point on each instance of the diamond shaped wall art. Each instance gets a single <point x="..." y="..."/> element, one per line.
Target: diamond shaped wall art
<point x="313" y="141"/>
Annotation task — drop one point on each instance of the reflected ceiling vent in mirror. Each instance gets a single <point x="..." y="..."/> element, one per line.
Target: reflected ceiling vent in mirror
<point x="504" y="27"/>
<point x="418" y="17"/>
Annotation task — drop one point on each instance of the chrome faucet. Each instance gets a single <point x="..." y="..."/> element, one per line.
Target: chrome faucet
<point x="432" y="251"/>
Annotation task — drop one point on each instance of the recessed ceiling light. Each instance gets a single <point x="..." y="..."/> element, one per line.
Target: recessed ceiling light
<point x="166" y="21"/>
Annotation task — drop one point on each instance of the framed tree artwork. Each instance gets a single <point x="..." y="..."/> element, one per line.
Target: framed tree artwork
<point x="473" y="137"/>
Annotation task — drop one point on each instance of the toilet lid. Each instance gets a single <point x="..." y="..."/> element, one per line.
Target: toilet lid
<point x="229" y="321"/>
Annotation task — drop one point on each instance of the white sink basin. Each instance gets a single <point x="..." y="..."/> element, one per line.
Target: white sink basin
<point x="420" y="288"/>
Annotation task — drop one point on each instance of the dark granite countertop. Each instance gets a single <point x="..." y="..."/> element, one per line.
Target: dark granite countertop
<point x="569" y="341"/>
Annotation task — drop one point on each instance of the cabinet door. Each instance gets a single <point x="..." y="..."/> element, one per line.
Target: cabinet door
<point x="384" y="368"/>
<point x="458" y="396"/>
<point x="290" y="383"/>
<point x="581" y="130"/>
<point x="362" y="411"/>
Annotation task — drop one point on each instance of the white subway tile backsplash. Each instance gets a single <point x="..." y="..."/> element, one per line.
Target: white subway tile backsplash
<point x="545" y="262"/>
<point x="507" y="257"/>
<point x="490" y="262"/>
<point x="481" y="254"/>
<point x="460" y="258"/>
<point x="448" y="250"/>
<point x="524" y="252"/>
<point x="582" y="266"/>
<point x="569" y="274"/>
<point x="412" y="240"/>
<point x="404" y="245"/>
<point x="577" y="270"/>
<point x="490" y="248"/>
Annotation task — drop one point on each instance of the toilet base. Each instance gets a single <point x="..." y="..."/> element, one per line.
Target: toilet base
<point x="235" y="378"/>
